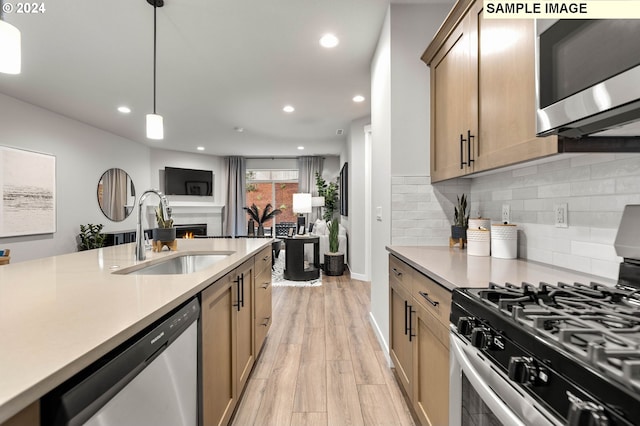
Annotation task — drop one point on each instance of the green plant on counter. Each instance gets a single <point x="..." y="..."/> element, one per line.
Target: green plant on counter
<point x="91" y="237"/>
<point x="461" y="215"/>
<point x="163" y="222"/>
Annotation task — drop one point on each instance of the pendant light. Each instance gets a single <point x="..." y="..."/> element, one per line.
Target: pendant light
<point x="155" y="126"/>
<point x="10" y="56"/>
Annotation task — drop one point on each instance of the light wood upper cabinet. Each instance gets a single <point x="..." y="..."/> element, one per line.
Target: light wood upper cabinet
<point x="487" y="93"/>
<point x="452" y="110"/>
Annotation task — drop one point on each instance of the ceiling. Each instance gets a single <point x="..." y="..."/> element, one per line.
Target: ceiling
<point x="221" y="65"/>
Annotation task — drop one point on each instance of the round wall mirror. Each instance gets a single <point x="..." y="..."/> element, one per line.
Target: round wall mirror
<point x="116" y="194"/>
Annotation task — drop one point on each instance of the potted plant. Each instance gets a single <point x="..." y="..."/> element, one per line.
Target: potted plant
<point x="333" y="261"/>
<point x="165" y="232"/>
<point x="91" y="237"/>
<point x="330" y="193"/>
<point x="267" y="214"/>
<point x="460" y="221"/>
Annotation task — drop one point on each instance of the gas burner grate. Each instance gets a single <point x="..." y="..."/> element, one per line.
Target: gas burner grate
<point x="598" y="324"/>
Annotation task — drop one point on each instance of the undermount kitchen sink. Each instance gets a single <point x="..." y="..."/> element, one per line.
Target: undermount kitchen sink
<point x="181" y="264"/>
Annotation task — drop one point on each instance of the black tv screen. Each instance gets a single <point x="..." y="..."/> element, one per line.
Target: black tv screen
<point x="188" y="181"/>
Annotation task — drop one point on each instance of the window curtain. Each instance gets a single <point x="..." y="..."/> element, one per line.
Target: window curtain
<point x="307" y="169"/>
<point x="235" y="220"/>
<point x="114" y="194"/>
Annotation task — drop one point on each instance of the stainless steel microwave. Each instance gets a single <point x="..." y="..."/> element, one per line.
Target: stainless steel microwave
<point x="588" y="77"/>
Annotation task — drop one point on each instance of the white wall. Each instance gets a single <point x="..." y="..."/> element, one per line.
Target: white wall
<point x="355" y="222"/>
<point x="400" y="131"/>
<point x="412" y="28"/>
<point x="380" y="180"/>
<point x="82" y="153"/>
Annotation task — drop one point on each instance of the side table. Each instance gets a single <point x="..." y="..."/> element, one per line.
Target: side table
<point x="294" y="263"/>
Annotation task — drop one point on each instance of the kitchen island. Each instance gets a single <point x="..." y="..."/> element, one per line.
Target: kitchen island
<point x="60" y="314"/>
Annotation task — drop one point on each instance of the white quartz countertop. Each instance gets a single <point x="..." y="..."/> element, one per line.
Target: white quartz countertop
<point x="452" y="267"/>
<point x="59" y="314"/>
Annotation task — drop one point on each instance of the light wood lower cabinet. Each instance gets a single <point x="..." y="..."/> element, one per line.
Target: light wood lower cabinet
<point x="401" y="350"/>
<point x="419" y="341"/>
<point x="219" y="324"/>
<point x="262" y="298"/>
<point x="431" y="369"/>
<point x="229" y="344"/>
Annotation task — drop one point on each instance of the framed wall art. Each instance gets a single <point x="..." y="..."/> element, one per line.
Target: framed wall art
<point x="27" y="192"/>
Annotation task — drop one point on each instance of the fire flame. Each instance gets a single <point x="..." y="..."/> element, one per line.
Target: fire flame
<point x="188" y="235"/>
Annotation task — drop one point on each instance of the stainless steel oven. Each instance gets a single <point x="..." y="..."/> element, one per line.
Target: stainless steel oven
<point x="480" y="394"/>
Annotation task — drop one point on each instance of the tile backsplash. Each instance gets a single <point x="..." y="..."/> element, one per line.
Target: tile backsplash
<point x="595" y="187"/>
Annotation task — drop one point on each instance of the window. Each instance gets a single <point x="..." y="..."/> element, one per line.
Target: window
<point x="275" y="187"/>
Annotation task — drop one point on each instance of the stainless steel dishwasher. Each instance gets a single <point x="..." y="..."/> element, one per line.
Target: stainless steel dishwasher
<point x="150" y="380"/>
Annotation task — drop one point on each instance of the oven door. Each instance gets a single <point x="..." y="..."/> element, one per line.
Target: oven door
<point x="480" y="394"/>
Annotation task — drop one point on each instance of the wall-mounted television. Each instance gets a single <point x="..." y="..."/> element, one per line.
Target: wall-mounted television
<point x="179" y="181"/>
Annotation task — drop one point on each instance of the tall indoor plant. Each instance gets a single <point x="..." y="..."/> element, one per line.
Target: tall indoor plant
<point x="260" y="219"/>
<point x="330" y="193"/>
<point x="334" y="261"/>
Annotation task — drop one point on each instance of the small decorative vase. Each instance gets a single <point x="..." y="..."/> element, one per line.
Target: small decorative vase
<point x="458" y="232"/>
<point x="261" y="230"/>
<point x="164" y="235"/>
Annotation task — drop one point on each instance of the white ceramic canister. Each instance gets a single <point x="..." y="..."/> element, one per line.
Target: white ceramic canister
<point x="479" y="222"/>
<point x="504" y="241"/>
<point x="478" y="242"/>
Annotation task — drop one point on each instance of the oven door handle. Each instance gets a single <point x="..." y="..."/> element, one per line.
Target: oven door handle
<point x="493" y="401"/>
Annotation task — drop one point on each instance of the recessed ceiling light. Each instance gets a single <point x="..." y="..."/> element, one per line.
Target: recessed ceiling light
<point x="329" y="41"/>
<point x="301" y="148"/>
<point x="288" y="108"/>
<point x="200" y="148"/>
<point x="358" y="98"/>
<point x="124" y="109"/>
<point x="238" y="129"/>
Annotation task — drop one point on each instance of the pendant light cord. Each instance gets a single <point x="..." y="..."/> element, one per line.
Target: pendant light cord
<point x="155" y="8"/>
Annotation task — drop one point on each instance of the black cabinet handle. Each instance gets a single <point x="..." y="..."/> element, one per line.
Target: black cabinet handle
<point x="430" y="300"/>
<point x="396" y="272"/>
<point x="266" y="322"/>
<point x="411" y="312"/>
<point x="265" y="258"/>
<point x="469" y="137"/>
<point x="242" y="291"/>
<point x="406" y="320"/>
<point x="237" y="281"/>
<point x="265" y="285"/>
<point x="462" y="141"/>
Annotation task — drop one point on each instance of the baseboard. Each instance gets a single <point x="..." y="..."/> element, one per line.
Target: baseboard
<point x="381" y="340"/>
<point x="359" y="277"/>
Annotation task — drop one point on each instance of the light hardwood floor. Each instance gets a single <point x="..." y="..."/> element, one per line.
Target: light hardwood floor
<point x="321" y="363"/>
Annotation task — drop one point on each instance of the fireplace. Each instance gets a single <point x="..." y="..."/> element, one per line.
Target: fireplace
<point x="190" y="230"/>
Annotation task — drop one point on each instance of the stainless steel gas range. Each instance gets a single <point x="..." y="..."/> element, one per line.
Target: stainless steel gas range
<point x="550" y="354"/>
